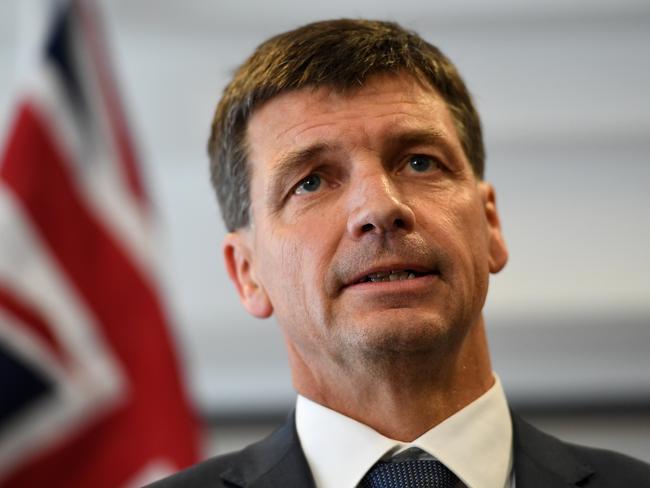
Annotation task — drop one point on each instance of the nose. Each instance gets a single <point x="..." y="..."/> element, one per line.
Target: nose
<point x="377" y="208"/>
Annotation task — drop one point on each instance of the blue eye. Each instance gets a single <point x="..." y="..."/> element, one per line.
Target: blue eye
<point x="308" y="185"/>
<point x="422" y="163"/>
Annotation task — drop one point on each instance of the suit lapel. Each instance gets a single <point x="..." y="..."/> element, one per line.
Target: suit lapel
<point x="275" y="461"/>
<point x="542" y="461"/>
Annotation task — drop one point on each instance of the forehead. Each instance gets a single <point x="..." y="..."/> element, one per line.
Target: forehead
<point x="364" y="119"/>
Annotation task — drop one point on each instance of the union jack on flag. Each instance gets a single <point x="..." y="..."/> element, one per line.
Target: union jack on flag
<point x="90" y="390"/>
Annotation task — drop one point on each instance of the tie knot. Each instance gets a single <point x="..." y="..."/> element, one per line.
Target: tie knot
<point x="410" y="473"/>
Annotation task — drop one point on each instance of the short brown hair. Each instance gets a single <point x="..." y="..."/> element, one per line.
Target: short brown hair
<point x="341" y="54"/>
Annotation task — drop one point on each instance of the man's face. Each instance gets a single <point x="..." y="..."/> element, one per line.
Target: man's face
<point x="370" y="234"/>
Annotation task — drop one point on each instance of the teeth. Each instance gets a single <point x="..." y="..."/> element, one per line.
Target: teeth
<point x="404" y="275"/>
<point x="391" y="276"/>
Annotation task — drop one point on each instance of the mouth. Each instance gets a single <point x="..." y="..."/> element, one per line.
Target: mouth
<point x="390" y="274"/>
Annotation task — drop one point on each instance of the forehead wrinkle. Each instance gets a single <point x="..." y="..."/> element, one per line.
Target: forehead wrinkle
<point x="403" y="118"/>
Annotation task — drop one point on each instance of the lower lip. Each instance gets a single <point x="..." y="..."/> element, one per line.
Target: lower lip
<point x="418" y="284"/>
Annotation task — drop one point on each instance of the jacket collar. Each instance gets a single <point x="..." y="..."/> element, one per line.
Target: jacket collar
<point x="275" y="461"/>
<point x="541" y="461"/>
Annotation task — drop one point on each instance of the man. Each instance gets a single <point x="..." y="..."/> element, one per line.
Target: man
<point x="348" y="160"/>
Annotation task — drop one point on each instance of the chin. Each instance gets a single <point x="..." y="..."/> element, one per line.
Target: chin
<point x="403" y="332"/>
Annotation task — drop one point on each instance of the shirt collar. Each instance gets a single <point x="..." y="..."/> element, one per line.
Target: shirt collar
<point x="475" y="443"/>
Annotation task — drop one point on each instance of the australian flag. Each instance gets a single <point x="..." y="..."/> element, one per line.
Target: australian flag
<point x="90" y="388"/>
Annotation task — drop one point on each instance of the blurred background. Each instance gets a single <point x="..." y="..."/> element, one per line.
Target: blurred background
<point x="562" y="88"/>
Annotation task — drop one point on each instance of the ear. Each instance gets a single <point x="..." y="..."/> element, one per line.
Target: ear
<point x="498" y="252"/>
<point x="238" y="257"/>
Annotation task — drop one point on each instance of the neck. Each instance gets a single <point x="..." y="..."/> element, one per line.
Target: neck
<point x="406" y="396"/>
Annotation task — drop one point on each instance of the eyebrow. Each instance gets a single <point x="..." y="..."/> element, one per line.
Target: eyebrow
<point x="430" y="136"/>
<point x="289" y="165"/>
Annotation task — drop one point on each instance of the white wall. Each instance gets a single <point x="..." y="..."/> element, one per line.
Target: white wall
<point x="563" y="91"/>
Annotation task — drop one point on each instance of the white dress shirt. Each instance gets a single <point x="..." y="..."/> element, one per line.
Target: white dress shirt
<point x="475" y="443"/>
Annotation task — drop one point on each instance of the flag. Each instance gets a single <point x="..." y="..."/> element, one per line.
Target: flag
<point x="90" y="390"/>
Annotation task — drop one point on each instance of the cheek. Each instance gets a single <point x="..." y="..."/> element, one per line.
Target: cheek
<point x="477" y="253"/>
<point x="469" y="230"/>
<point x="292" y="270"/>
<point x="282" y="266"/>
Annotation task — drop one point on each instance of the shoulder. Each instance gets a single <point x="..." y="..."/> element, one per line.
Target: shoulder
<point x="613" y="468"/>
<point x="539" y="455"/>
<point x="206" y="473"/>
<point x="277" y="460"/>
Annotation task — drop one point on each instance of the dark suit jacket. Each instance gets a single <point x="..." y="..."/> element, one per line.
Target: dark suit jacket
<point x="540" y="461"/>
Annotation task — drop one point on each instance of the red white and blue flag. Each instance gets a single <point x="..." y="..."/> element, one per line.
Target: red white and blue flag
<point x="90" y="390"/>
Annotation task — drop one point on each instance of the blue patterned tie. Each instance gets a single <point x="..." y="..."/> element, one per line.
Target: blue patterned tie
<point x="410" y="473"/>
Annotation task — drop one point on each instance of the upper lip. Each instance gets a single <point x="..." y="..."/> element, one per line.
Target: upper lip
<point x="418" y="268"/>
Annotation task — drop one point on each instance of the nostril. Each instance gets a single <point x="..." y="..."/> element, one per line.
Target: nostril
<point x="367" y="227"/>
<point x="400" y="224"/>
